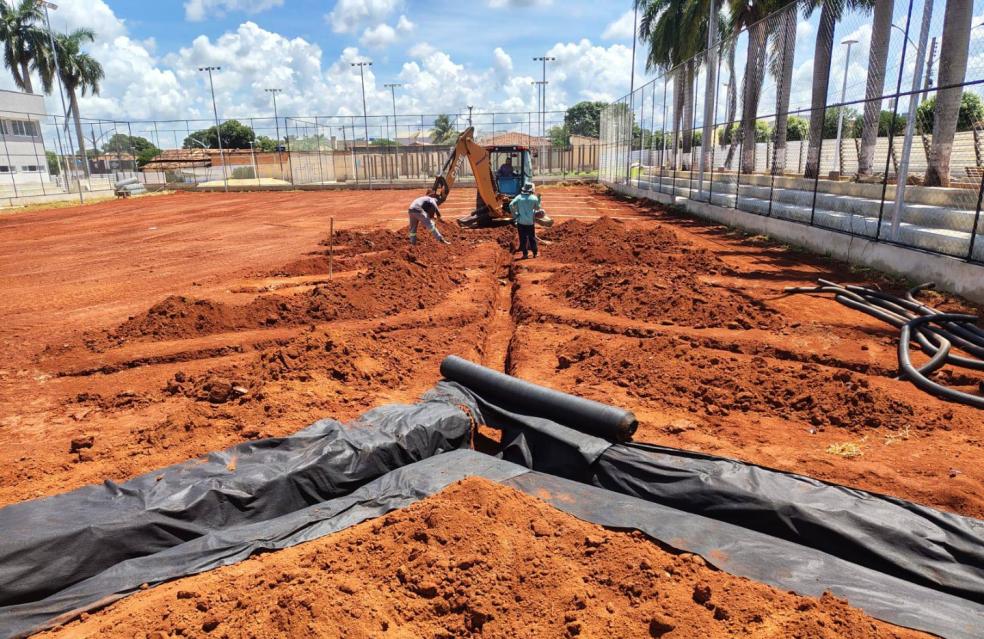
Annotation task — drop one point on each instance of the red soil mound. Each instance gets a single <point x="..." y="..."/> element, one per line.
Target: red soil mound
<point x="390" y="283"/>
<point x="477" y="558"/>
<point x="609" y="241"/>
<point x="677" y="373"/>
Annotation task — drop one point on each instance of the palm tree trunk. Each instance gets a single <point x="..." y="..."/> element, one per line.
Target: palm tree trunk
<point x="73" y="106"/>
<point x="753" y="88"/>
<point x="26" y="77"/>
<point x="953" y="66"/>
<point x="679" y="80"/>
<point x="732" y="106"/>
<point x="821" y="78"/>
<point x="688" y="114"/>
<point x="881" y="31"/>
<point x="787" y="31"/>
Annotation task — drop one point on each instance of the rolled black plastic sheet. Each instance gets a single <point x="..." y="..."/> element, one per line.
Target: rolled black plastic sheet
<point x="594" y="418"/>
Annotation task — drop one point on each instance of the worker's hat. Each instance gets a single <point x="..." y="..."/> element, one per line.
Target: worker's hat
<point x="527" y="188"/>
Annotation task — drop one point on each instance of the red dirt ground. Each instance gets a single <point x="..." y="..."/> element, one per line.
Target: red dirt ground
<point x="166" y="327"/>
<point x="477" y="558"/>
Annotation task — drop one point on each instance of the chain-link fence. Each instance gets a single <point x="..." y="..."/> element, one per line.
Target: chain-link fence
<point x="862" y="118"/>
<point x="42" y="158"/>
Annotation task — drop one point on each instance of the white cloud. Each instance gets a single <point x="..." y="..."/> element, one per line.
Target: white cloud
<point x="404" y="24"/>
<point x="348" y="15"/>
<point x="621" y="29"/>
<point x="378" y="37"/>
<point x="197" y="10"/>
<point x="497" y="4"/>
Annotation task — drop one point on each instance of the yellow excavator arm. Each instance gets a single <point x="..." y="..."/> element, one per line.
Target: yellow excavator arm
<point x="478" y="158"/>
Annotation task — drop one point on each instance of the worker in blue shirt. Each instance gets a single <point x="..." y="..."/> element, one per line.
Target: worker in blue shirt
<point x="524" y="208"/>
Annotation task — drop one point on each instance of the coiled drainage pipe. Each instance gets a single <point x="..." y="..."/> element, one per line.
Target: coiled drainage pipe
<point x="917" y="378"/>
<point x="594" y="418"/>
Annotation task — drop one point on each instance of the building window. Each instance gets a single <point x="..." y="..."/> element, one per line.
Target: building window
<point x="31" y="168"/>
<point x="24" y="128"/>
<point x="4" y="168"/>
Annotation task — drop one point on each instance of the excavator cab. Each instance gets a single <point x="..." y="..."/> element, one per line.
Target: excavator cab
<point x="514" y="168"/>
<point x="500" y="174"/>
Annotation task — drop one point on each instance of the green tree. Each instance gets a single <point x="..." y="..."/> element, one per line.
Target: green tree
<point x="54" y="167"/>
<point x="444" y="132"/>
<point x="265" y="144"/>
<point x="80" y="73"/>
<point x="122" y="143"/>
<point x="849" y="130"/>
<point x="971" y="112"/>
<point x="235" y="135"/>
<point x="25" y="41"/>
<point x="383" y="142"/>
<point x="559" y="136"/>
<point x="584" y="118"/>
<point x="797" y="128"/>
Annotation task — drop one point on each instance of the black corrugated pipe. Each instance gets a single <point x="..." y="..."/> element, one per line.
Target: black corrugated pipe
<point x="594" y="418"/>
<point x="917" y="378"/>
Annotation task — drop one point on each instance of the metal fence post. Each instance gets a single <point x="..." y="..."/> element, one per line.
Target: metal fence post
<point x="290" y="161"/>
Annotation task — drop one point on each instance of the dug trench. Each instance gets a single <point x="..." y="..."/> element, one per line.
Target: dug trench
<point x="681" y="322"/>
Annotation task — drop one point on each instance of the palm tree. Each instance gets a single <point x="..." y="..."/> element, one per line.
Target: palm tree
<point x="80" y="74"/>
<point x="881" y="32"/>
<point x="953" y="67"/>
<point x="750" y="14"/>
<point x="444" y="132"/>
<point x="781" y="65"/>
<point x="831" y="12"/>
<point x="676" y="32"/>
<point x="24" y="40"/>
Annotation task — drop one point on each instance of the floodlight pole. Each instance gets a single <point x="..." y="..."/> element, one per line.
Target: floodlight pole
<point x="543" y="89"/>
<point x="840" y="115"/>
<point x="396" y="131"/>
<point x="218" y="129"/>
<point x="365" y="114"/>
<point x="276" y="123"/>
<point x="61" y="88"/>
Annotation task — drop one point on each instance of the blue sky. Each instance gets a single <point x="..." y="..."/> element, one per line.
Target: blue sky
<point x="446" y="54"/>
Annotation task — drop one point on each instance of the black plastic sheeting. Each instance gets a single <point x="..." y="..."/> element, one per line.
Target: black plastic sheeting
<point x="899" y="562"/>
<point x="49" y="544"/>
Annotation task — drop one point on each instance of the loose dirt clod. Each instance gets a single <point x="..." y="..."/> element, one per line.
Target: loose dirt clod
<point x="466" y="561"/>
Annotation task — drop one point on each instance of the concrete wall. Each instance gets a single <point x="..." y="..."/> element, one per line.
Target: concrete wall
<point x="951" y="274"/>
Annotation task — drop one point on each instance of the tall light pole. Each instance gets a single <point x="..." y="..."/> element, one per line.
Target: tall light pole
<point x="61" y="89"/>
<point x="365" y="113"/>
<point x="393" y="86"/>
<point x="540" y="88"/>
<point x="631" y="112"/>
<point x="276" y="123"/>
<point x="470" y="107"/>
<point x="840" y="115"/>
<point x="218" y="130"/>
<point x="543" y="89"/>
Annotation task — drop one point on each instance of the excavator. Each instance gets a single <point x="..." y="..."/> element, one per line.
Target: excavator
<point x="495" y="191"/>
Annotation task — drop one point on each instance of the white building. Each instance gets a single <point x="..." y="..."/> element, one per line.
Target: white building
<point x="23" y="165"/>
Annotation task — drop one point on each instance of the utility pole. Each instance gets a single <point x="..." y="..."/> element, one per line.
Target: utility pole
<point x="365" y="114"/>
<point x="396" y="131"/>
<point x="543" y="89"/>
<point x="61" y="89"/>
<point x="218" y="130"/>
<point x="276" y="123"/>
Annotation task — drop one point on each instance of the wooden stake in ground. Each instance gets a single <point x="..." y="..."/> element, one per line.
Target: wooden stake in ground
<point x="331" y="246"/>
